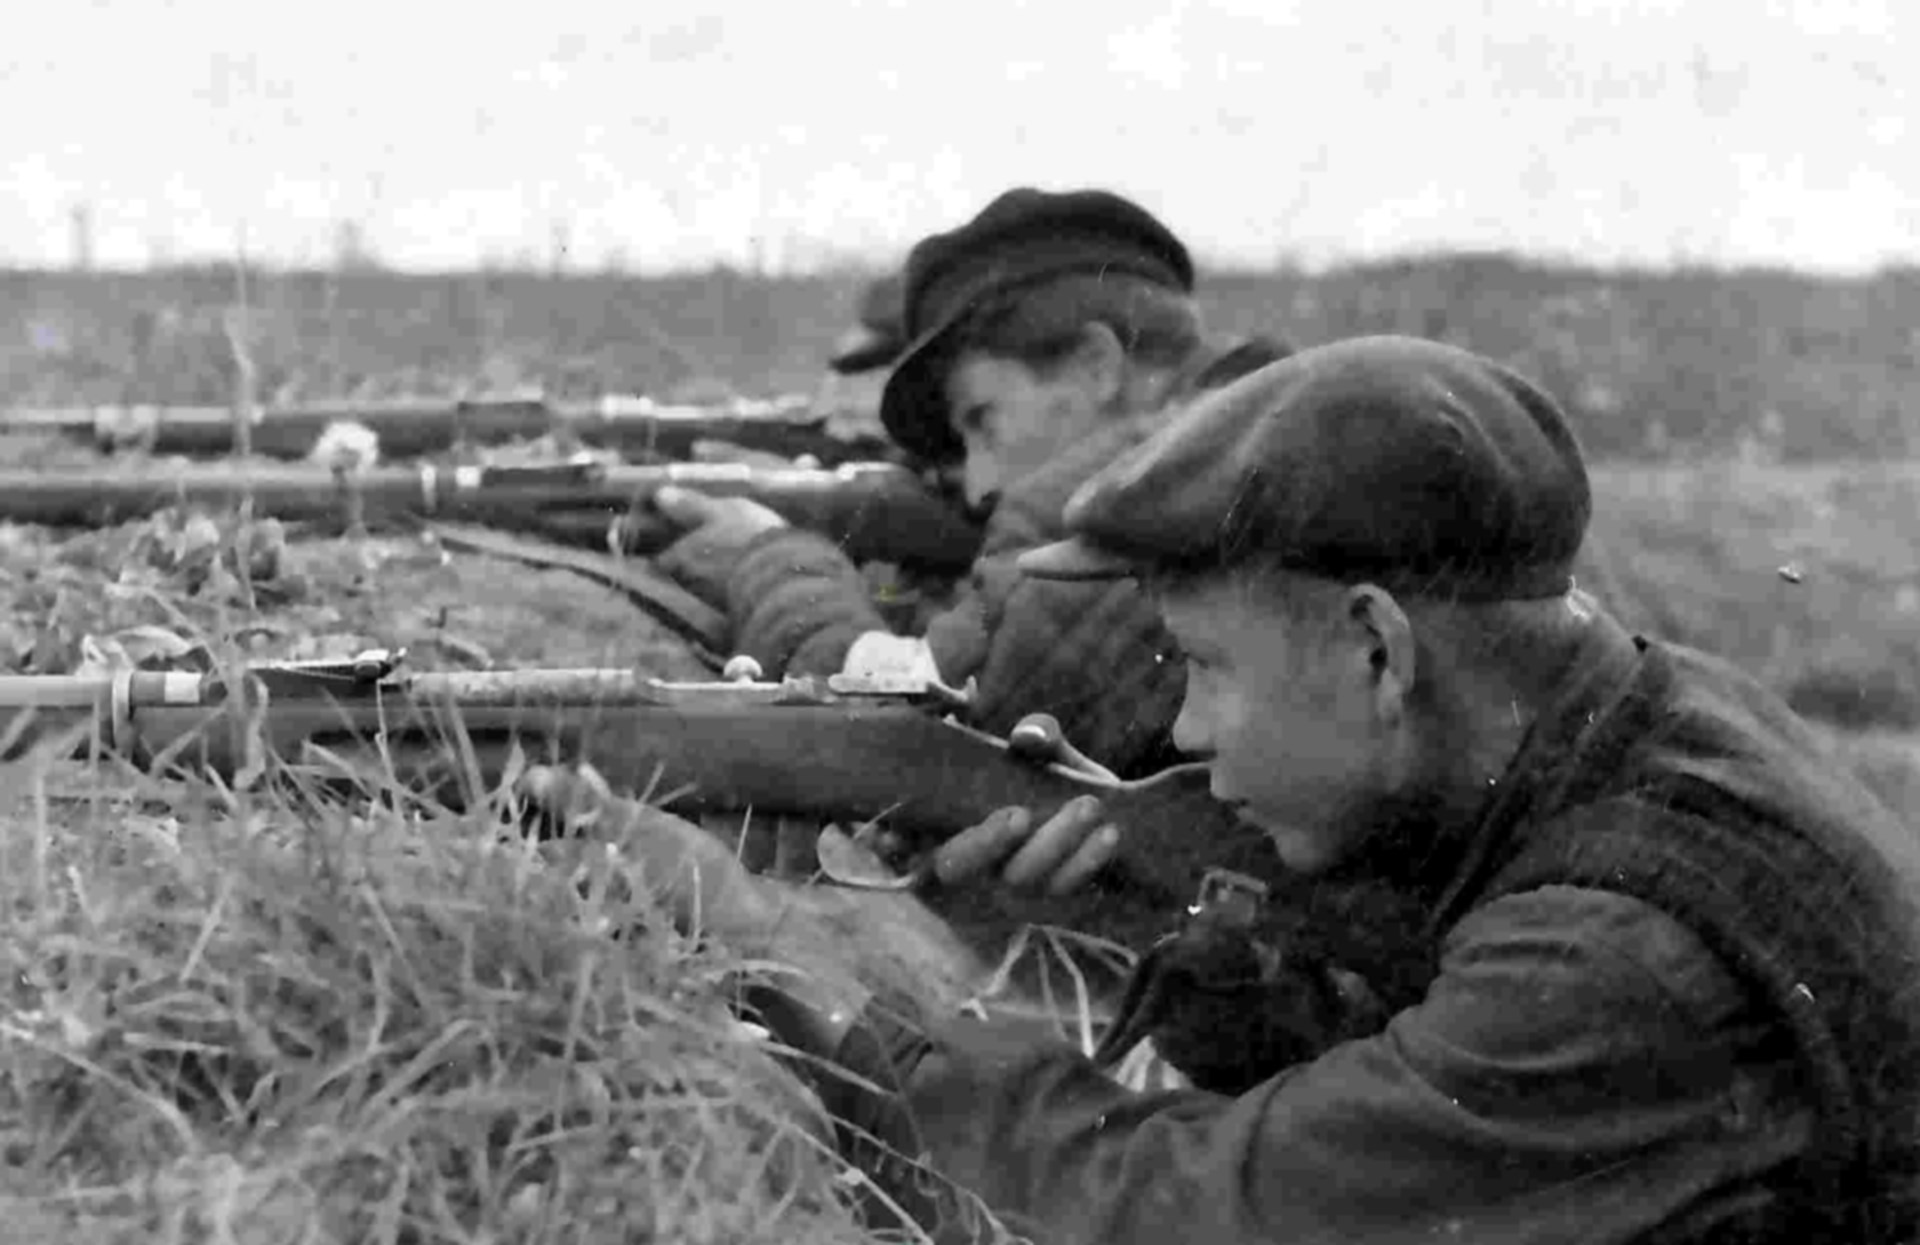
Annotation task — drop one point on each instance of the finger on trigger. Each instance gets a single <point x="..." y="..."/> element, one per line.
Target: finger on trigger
<point x="1093" y="855"/>
<point x="974" y="849"/>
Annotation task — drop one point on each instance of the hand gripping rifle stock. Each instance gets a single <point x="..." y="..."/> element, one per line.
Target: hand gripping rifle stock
<point x="847" y="748"/>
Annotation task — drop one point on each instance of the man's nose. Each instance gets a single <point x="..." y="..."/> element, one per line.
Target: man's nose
<point x="982" y="483"/>
<point x="982" y="510"/>
<point x="1191" y="737"/>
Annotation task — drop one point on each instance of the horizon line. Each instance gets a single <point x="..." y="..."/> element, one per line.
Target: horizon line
<point x="857" y="268"/>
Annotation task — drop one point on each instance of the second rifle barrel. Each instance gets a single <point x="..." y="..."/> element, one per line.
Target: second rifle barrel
<point x="53" y="691"/>
<point x="877" y="510"/>
<point x="299" y="491"/>
<point x="414" y="427"/>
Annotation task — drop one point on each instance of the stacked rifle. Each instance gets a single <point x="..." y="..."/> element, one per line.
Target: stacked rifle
<point x="635" y="427"/>
<point x="876" y="511"/>
<point x="828" y="479"/>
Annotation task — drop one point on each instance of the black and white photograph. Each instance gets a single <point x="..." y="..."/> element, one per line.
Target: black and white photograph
<point x="721" y="621"/>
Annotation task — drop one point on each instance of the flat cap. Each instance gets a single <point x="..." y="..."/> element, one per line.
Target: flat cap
<point x="1250" y="354"/>
<point x="1407" y="463"/>
<point x="881" y="333"/>
<point x="1022" y="237"/>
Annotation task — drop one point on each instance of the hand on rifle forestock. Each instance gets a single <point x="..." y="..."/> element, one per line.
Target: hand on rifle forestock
<point x="1056" y="857"/>
<point x="717" y="532"/>
<point x="1059" y="856"/>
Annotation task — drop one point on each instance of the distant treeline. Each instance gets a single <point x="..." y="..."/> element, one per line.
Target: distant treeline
<point x="1651" y="363"/>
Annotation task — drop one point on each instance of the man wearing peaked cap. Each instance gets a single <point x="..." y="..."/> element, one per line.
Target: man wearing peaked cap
<point x="1037" y="339"/>
<point x="1019" y="241"/>
<point x="1662" y="981"/>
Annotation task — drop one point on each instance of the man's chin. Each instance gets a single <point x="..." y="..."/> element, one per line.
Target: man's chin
<point x="1382" y="842"/>
<point x="1300" y="850"/>
<point x="1305" y="858"/>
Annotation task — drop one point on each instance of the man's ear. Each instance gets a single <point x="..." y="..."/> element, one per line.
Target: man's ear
<point x="1102" y="360"/>
<point x="1386" y="633"/>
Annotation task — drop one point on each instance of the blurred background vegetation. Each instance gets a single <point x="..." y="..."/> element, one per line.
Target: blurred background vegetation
<point x="1651" y="364"/>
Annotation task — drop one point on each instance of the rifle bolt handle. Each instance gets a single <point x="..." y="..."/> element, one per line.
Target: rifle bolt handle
<point x="741" y="668"/>
<point x="1037" y="736"/>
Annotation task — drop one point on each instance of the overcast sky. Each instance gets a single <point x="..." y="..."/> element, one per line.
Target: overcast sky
<point x="672" y="132"/>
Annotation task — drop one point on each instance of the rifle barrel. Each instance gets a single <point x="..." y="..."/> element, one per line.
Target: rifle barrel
<point x="874" y="510"/>
<point x="57" y="701"/>
<point x="765" y="748"/>
<point x="415" y="427"/>
<point x="790" y="746"/>
<point x="54" y="691"/>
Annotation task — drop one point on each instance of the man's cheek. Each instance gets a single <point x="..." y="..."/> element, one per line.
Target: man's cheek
<point x="1236" y="741"/>
<point x="1249" y="766"/>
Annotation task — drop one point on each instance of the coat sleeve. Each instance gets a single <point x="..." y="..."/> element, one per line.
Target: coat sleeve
<point x="1095" y="655"/>
<point x="798" y="603"/>
<point x="1581" y="1068"/>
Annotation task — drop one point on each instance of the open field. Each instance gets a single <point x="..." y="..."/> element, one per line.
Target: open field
<point x="1649" y="364"/>
<point x="237" y="1019"/>
<point x="1698" y="553"/>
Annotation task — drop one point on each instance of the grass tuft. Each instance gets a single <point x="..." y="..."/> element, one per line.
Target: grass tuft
<point x="305" y="1023"/>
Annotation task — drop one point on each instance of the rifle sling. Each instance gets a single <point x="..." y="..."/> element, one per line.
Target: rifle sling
<point x="685" y="614"/>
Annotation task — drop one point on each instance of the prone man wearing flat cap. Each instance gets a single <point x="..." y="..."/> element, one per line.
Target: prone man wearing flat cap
<point x="1036" y="340"/>
<point x="1664" y="980"/>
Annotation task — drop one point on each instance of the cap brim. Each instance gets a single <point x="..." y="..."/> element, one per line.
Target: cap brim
<point x="1075" y="559"/>
<point x="866" y="352"/>
<point x="912" y="408"/>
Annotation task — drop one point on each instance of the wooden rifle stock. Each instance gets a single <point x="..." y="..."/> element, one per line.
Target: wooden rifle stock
<point x="843" y="749"/>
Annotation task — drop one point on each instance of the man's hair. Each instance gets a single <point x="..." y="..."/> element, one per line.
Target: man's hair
<point x="1042" y="323"/>
<point x="1522" y="638"/>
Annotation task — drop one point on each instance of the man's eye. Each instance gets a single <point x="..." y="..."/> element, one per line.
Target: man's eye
<point x="973" y="419"/>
